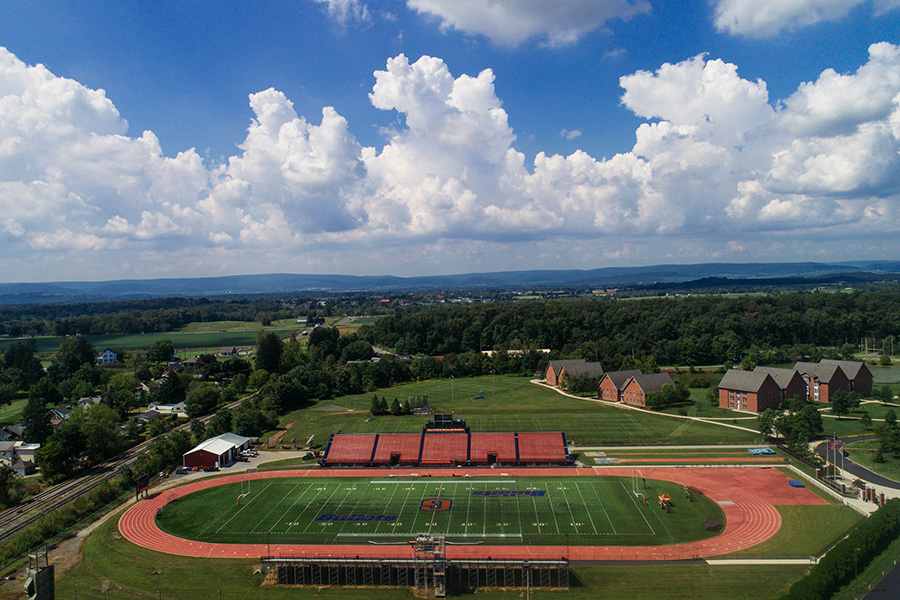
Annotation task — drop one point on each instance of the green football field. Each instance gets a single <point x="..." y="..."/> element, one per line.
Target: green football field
<point x="498" y="510"/>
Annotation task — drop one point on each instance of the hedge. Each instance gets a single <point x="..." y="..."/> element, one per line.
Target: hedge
<point x="841" y="564"/>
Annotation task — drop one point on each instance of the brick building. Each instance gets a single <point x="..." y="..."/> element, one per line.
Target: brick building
<point x="751" y="391"/>
<point x="555" y="369"/>
<point x="612" y="384"/>
<point x="638" y="386"/>
<point x="823" y="379"/>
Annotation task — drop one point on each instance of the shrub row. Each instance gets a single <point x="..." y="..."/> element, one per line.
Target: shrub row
<point x="57" y="521"/>
<point x="849" y="557"/>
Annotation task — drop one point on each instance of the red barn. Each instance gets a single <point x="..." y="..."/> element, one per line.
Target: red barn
<point x="219" y="451"/>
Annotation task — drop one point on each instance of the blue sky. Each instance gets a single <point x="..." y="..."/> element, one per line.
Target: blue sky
<point x="416" y="137"/>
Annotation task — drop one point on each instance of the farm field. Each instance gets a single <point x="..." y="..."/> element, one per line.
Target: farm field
<point x="200" y="337"/>
<point x="514" y="405"/>
<point x="529" y="510"/>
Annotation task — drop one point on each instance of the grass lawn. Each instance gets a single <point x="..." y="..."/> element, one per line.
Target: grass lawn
<point x="135" y="573"/>
<point x="863" y="453"/>
<point x="530" y="510"/>
<point x="805" y="531"/>
<point x="513" y="404"/>
<point x="676" y="582"/>
<point x="845" y="426"/>
<point x="12" y="413"/>
<point x="885" y="375"/>
<point x="701" y="407"/>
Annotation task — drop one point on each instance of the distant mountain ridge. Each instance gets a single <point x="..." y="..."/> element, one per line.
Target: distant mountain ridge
<point x="242" y="285"/>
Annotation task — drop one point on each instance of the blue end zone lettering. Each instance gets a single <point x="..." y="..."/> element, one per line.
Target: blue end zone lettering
<point x="355" y="517"/>
<point x="511" y="493"/>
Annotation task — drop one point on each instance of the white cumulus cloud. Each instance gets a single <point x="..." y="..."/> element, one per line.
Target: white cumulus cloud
<point x="766" y="18"/>
<point x="512" y="22"/>
<point x="715" y="159"/>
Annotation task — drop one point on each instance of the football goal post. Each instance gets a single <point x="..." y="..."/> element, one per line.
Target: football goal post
<point x="245" y="490"/>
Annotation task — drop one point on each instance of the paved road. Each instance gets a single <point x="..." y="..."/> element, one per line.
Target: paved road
<point x="858" y="470"/>
<point x="889" y="587"/>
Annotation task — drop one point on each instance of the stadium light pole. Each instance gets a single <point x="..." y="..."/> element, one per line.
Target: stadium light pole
<point x="451" y="388"/>
<point x="493" y="388"/>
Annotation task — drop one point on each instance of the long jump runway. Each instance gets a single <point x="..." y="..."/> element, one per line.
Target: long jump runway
<point x="747" y="496"/>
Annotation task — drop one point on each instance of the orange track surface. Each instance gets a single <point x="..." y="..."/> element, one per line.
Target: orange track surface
<point x="746" y="495"/>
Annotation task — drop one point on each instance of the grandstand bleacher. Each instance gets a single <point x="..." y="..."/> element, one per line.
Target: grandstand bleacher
<point x="489" y="448"/>
<point x="447" y="447"/>
<point x="541" y="447"/>
<point x="397" y="449"/>
<point x="352" y="449"/>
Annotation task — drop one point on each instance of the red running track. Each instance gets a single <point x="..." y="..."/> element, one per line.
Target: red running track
<point x="746" y="495"/>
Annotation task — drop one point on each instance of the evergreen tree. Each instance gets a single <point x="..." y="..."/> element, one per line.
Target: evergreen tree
<point x="268" y="352"/>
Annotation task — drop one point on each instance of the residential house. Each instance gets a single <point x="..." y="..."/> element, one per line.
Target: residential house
<point x="148" y="415"/>
<point x="107" y="357"/>
<point x="141" y="391"/>
<point x="11" y="433"/>
<point x="7" y="452"/>
<point x="89" y="401"/>
<point x="23" y="467"/>
<point x="175" y="409"/>
<point x="823" y="379"/>
<point x="173" y="367"/>
<point x="228" y="351"/>
<point x="59" y="415"/>
<point x="612" y="384"/>
<point x="789" y="382"/>
<point x="555" y="368"/>
<point x="751" y="391"/>
<point x="638" y="386"/>
<point x="26" y="451"/>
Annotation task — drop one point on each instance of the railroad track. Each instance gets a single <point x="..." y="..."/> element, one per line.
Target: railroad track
<point x="22" y="516"/>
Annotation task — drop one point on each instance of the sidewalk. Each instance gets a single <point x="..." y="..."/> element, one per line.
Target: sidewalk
<point x="622" y="406"/>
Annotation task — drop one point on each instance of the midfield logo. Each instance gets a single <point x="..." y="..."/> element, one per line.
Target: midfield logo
<point x="436" y="505"/>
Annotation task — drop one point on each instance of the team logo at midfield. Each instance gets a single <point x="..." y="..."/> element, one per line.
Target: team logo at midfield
<point x="436" y="505"/>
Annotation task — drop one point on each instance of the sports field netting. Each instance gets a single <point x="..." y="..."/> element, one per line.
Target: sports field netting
<point x="500" y="510"/>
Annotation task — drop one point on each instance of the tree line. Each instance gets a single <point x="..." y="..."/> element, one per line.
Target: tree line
<point x="659" y="331"/>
